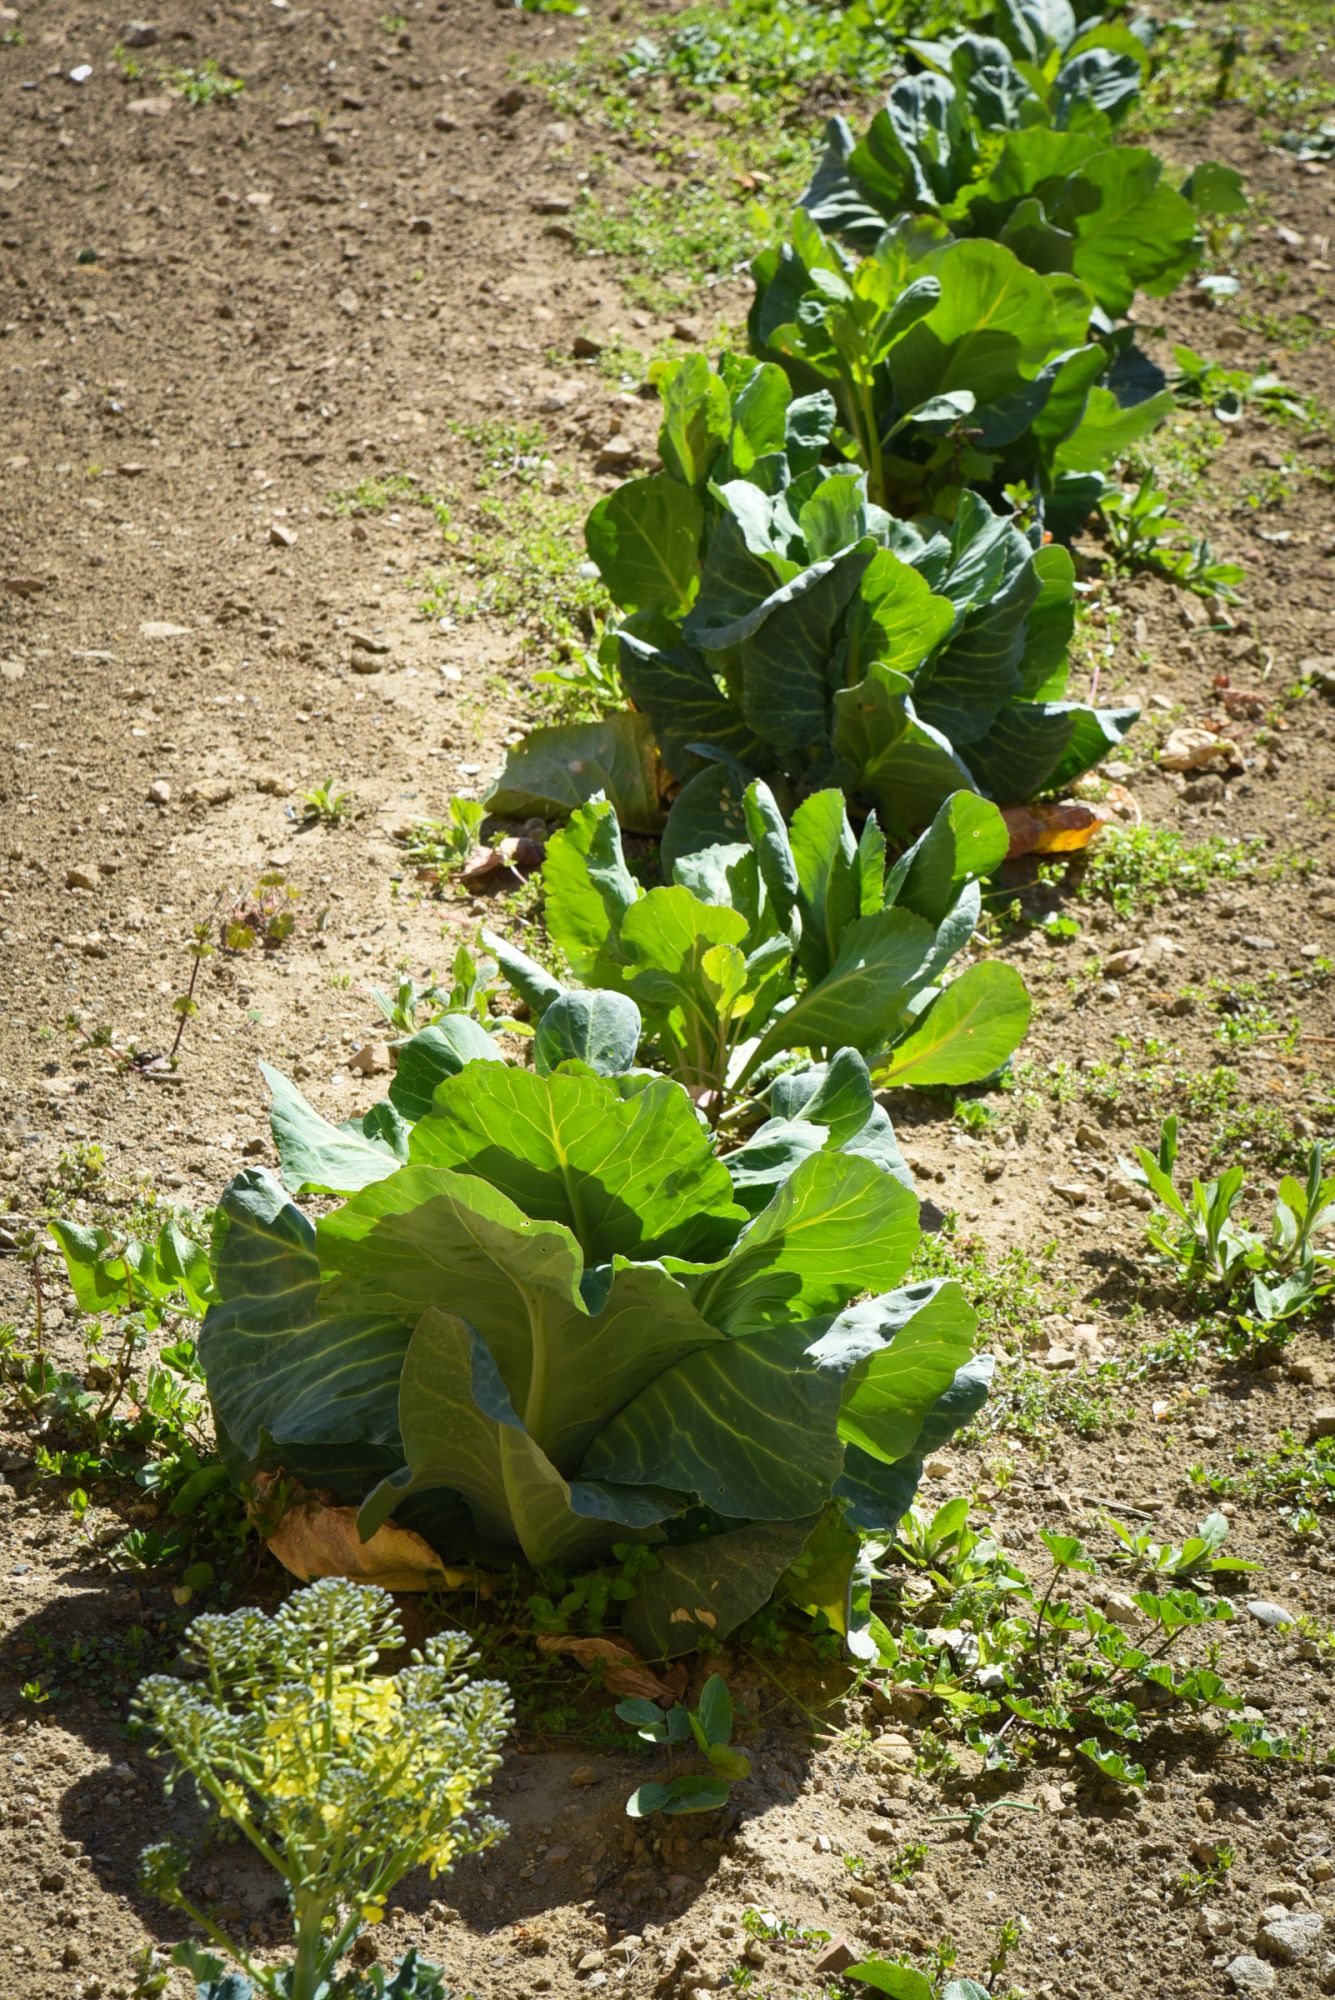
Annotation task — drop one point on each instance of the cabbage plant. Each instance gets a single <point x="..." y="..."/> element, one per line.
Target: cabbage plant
<point x="555" y="1330"/>
<point x="781" y="940"/>
<point x="1022" y="151"/>
<point x="781" y="621"/>
<point x="953" y="364"/>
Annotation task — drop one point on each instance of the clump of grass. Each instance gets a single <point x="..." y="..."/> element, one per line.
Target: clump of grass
<point x="374" y="495"/>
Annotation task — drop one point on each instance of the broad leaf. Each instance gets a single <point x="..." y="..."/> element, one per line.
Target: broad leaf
<point x="644" y="538"/>
<point x="632" y="1177"/>
<point x="970" y="1030"/>
<point x="557" y="768"/>
<point x="600" y="1029"/>
<point x="323" y="1158"/>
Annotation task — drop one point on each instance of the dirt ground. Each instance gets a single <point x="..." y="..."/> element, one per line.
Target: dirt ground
<point x="214" y="319"/>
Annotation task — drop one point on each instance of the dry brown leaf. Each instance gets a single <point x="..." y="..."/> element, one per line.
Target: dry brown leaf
<point x="624" y="1671"/>
<point x="510" y="856"/>
<point x="315" y="1539"/>
<point x="1188" y="748"/>
<point x="1058" y="829"/>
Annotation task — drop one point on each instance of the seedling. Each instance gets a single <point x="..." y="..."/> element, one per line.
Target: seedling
<point x="1283" y="1273"/>
<point x="185" y="1006"/>
<point x="1194" y="1884"/>
<point x="447" y="844"/>
<point x="977" y="1816"/>
<point x="326" y="805"/>
<point x="473" y="981"/>
<point x="1009" y="1662"/>
<point x="264" y="916"/>
<point x="902" y="1980"/>
<point x="207" y="84"/>
<point x="1143" y="535"/>
<point x="710" y="1726"/>
<point x="1193" y="1561"/>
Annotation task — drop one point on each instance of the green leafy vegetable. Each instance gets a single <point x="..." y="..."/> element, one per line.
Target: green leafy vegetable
<point x="823" y="642"/>
<point x="786" y="941"/>
<point x="556" y="1327"/>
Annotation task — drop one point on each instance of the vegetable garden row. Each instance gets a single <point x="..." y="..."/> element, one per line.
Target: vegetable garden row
<point x="642" y="1302"/>
<point x="645" y="1291"/>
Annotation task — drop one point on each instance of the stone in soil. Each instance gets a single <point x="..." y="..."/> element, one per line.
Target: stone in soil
<point x="1267" y="1613"/>
<point x="1291" y="1937"/>
<point x="1248" y="1974"/>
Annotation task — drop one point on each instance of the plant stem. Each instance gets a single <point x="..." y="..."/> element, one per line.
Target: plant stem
<point x="188" y="1008"/>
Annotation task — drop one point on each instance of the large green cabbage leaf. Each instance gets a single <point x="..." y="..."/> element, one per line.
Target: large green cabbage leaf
<point x="556" y="1328"/>
<point x="999" y="147"/>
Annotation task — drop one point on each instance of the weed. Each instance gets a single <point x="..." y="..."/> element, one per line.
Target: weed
<point x="672" y="242"/>
<point x="1134" y="868"/>
<point x="1278" y="1277"/>
<point x="262" y="916"/>
<point x="910" y="1858"/>
<point x="473" y="983"/>
<point x="1143" y="534"/>
<point x="588" y="685"/>
<point x="1195" y="1884"/>
<point x="1229" y="56"/>
<point x="1302" y="1474"/>
<point x="448" y="844"/>
<point x="1008" y="1661"/>
<point x="523" y="564"/>
<point x="1228" y="391"/>
<point x="185" y="1006"/>
<point x="763" y="56"/>
<point x="324" y="805"/>
<point x="930" y="1979"/>
<point x="131" y="1427"/>
<point x="1012" y="1293"/>
<point x="376" y="496"/>
<point x="709" y="1726"/>
<point x="206" y="85"/>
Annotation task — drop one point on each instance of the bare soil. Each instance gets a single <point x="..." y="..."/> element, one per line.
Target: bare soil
<point x="212" y="320"/>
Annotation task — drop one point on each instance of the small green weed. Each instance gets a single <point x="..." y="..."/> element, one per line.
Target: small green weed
<point x="206" y="85"/>
<point x="1134" y="868"/>
<point x="1143" y="534"/>
<point x="325" y="805"/>
<point x="1022" y="1660"/>
<point x="1264" y="1282"/>
<point x="448" y="844"/>
<point x="264" y="915"/>
<point x="1012" y="1292"/>
<point x="376" y="495"/>
<point x="1297" y="1472"/>
<point x="1195" y="1884"/>
<point x="473" y="983"/>
<point x="708" y="1726"/>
